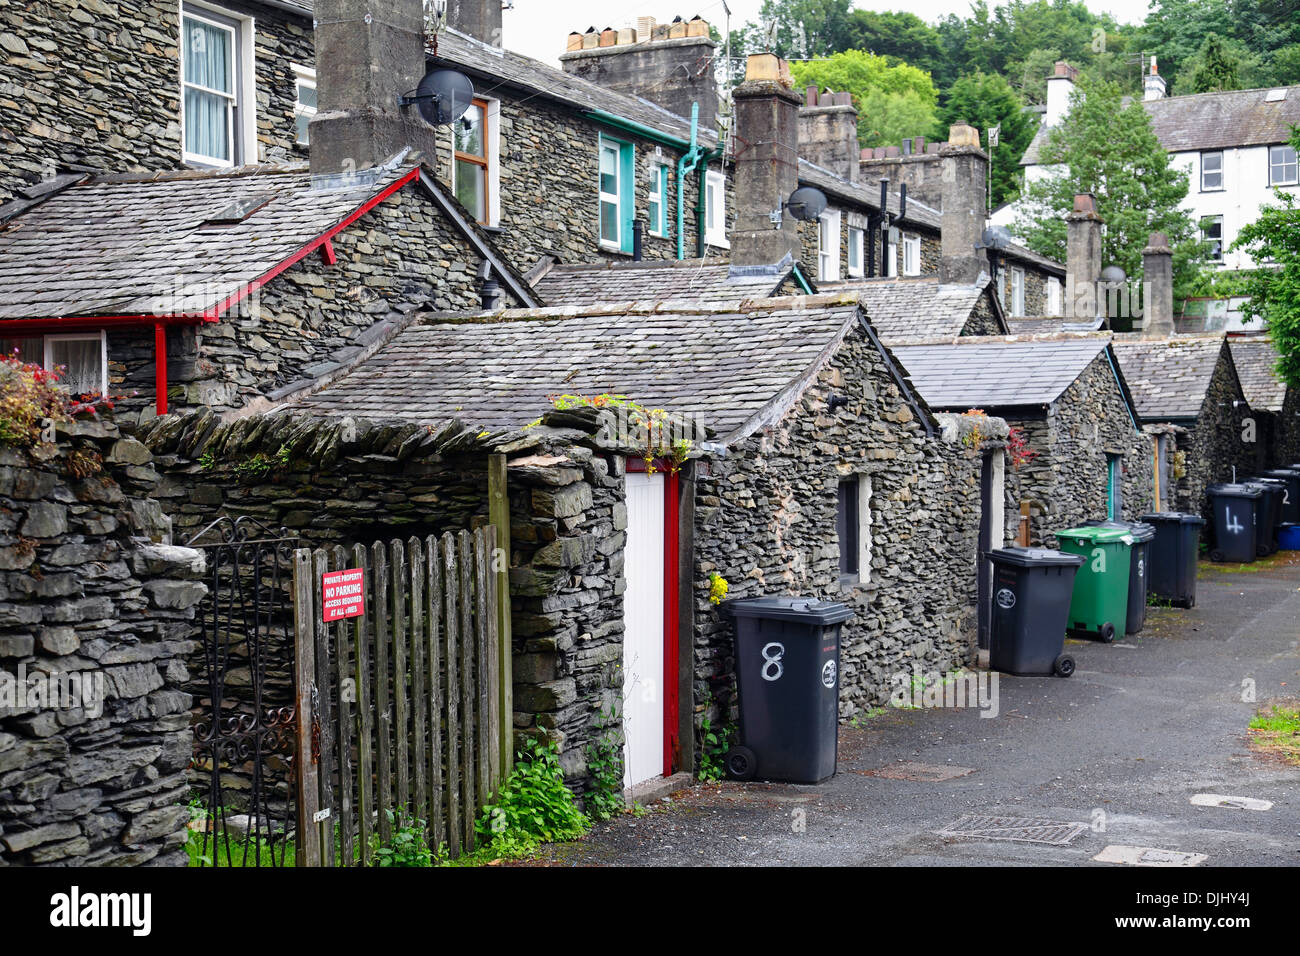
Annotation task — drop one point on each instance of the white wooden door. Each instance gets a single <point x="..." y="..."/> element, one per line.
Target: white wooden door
<point x="643" y="635"/>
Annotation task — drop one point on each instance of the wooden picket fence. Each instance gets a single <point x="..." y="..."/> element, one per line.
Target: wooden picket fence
<point x="405" y="702"/>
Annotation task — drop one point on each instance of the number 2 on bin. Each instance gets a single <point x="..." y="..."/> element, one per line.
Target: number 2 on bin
<point x="772" y="666"/>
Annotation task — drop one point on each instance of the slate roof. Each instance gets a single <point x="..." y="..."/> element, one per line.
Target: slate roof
<point x="913" y="310"/>
<point x="496" y="372"/>
<point x="505" y="68"/>
<point x="1051" y="325"/>
<point x="1169" y="378"/>
<point x="118" y="245"/>
<point x="1211" y="121"/>
<point x="998" y="373"/>
<point x="863" y="194"/>
<point x="1256" y="362"/>
<point x="693" y="280"/>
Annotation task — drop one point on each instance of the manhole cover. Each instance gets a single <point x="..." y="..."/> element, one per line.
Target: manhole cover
<point x="1020" y="829"/>
<point x="924" y="772"/>
<point x="1148" y="856"/>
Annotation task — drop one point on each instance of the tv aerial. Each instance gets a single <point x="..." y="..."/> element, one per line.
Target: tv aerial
<point x="442" y="97"/>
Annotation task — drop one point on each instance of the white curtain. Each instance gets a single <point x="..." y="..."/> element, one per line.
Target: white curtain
<point x="209" y="63"/>
<point x="84" y="361"/>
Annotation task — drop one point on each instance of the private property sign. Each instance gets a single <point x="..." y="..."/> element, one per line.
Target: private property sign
<point x="342" y="594"/>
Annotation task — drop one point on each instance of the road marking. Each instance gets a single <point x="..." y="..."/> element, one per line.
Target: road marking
<point x="1235" y="803"/>
<point x="1149" y="856"/>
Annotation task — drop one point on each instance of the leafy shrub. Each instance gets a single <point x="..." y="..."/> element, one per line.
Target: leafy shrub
<point x="30" y="396"/>
<point x="605" y="765"/>
<point x="408" y="847"/>
<point x="534" y="805"/>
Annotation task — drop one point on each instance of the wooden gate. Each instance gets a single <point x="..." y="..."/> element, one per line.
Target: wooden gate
<point x="405" y="715"/>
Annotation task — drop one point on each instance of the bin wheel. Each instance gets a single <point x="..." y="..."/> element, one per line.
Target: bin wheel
<point x="1107" y="632"/>
<point x="1261" y="551"/>
<point x="741" y="763"/>
<point x="1217" y="555"/>
<point x="1064" y="666"/>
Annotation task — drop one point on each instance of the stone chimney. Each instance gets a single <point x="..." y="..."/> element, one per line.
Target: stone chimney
<point x="965" y="204"/>
<point x="916" y="164"/>
<point x="1059" y="87"/>
<point x="1153" y="84"/>
<point x="767" y="162"/>
<point x="1082" y="258"/>
<point x="670" y="64"/>
<point x="1158" y="294"/>
<point x="828" y="133"/>
<point x="361" y="70"/>
<point x="480" y="19"/>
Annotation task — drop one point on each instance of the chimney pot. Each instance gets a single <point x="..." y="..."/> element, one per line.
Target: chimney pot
<point x="608" y="37"/>
<point x="963" y="134"/>
<point x="810" y="96"/>
<point x="575" y="41"/>
<point x="698" y="27"/>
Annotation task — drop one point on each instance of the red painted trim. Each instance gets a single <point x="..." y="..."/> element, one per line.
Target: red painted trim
<point x="672" y="750"/>
<point x="237" y="297"/>
<point x="327" y="253"/>
<point x="78" y="323"/>
<point x="160" y="367"/>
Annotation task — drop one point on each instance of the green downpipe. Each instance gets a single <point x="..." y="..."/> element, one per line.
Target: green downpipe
<point x="687" y="163"/>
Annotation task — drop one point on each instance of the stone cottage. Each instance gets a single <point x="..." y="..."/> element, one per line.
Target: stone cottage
<point x="1255" y="359"/>
<point x="1089" y="456"/>
<point x="802" y="425"/>
<point x="1192" y="381"/>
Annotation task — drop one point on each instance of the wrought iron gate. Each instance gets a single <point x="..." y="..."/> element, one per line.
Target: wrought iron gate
<point x="242" y="679"/>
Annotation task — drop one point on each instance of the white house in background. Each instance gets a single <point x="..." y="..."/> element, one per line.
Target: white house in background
<point x="1233" y="146"/>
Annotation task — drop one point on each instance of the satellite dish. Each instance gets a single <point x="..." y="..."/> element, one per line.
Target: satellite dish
<point x="1113" y="274"/>
<point x="442" y="97"/>
<point x="996" y="237"/>
<point x="806" y="203"/>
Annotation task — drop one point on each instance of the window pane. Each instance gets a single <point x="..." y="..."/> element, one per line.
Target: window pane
<point x="608" y="221"/>
<point x="846" y="525"/>
<point x="207" y="124"/>
<point x="30" y="350"/>
<point x="470" y="188"/>
<point x="609" y="170"/>
<point x="84" y="372"/>
<point x="307" y="96"/>
<point x="209" y="56"/>
<point x="469" y="132"/>
<point x="300" y="124"/>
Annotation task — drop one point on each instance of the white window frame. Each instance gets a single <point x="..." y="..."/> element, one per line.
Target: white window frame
<point x="492" y="150"/>
<point x="911" y="255"/>
<point x="615" y="242"/>
<point x="715" y="215"/>
<point x="304" y="77"/>
<point x="243" y="128"/>
<point x="1273" y="164"/>
<point x="47" y="352"/>
<point x="1219" y="172"/>
<point x="1017" y="291"/>
<point x="1053" y="295"/>
<point x="857" y="252"/>
<point x="828" y="246"/>
<point x="660" y="183"/>
<point x="1205" y="235"/>
<point x="891" y="261"/>
<point x="864" y="529"/>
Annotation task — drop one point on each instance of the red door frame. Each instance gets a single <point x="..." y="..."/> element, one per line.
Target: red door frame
<point x="671" y="605"/>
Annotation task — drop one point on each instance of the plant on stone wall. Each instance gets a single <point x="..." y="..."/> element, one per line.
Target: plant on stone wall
<point x="534" y="804"/>
<point x="718" y="588"/>
<point x="604" y="796"/>
<point x="655" y="424"/>
<point x="974" y="437"/>
<point x="1180" y="465"/>
<point x="31" y="398"/>
<point x="255" y="467"/>
<point x="1018" y="448"/>
<point x="82" y="463"/>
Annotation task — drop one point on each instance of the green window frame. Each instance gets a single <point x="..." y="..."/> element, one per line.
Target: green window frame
<point x="614" y="182"/>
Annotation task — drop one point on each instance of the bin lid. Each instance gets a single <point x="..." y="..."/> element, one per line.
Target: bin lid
<point x="1282" y="473"/>
<point x="1139" y="530"/>
<point x="1179" y="517"/>
<point x="788" y="608"/>
<point x="1098" y="535"/>
<point x="1267" y="482"/>
<point x="1229" y="490"/>
<point x="1035" y="557"/>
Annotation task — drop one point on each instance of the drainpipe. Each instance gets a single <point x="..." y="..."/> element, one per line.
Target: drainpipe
<point x="685" y="164"/>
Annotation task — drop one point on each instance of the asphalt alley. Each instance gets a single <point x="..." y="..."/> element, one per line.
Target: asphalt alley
<point x="1142" y="727"/>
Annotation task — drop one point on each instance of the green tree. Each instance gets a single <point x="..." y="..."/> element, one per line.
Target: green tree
<point x="893" y="101"/>
<point x="795" y="29"/>
<point x="1110" y="150"/>
<point x="1284" y="66"/>
<point x="986" y="100"/>
<point x="1216" y="67"/>
<point x="899" y="36"/>
<point x="1274" y="290"/>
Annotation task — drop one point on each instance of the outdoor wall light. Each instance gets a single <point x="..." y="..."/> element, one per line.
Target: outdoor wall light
<point x="836" y="401"/>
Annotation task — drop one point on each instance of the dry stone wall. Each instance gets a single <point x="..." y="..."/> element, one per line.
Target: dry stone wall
<point x="95" y="621"/>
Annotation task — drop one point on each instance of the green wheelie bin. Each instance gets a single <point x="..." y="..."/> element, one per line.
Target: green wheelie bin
<point x="1099" y="605"/>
